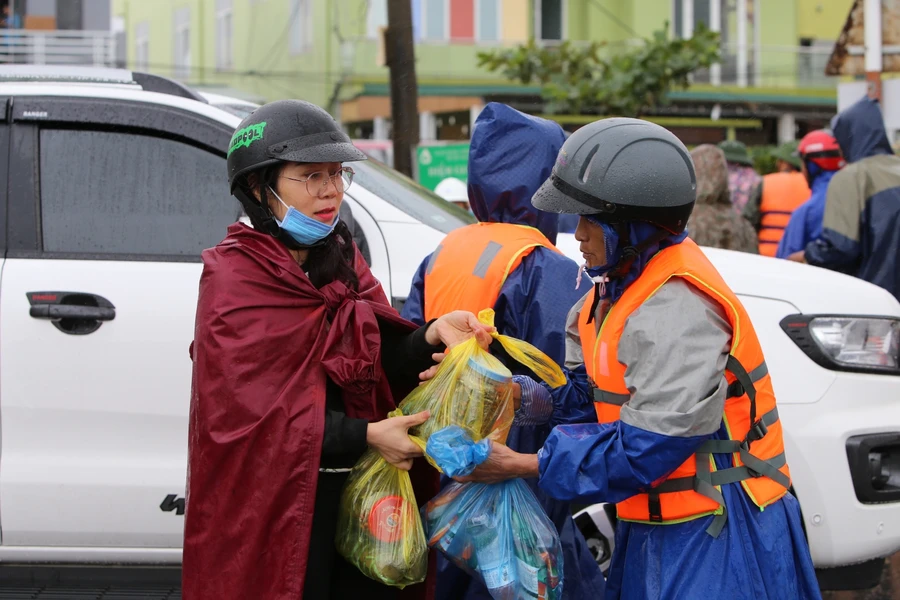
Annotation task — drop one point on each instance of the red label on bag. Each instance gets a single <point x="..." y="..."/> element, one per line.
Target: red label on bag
<point x="387" y="518"/>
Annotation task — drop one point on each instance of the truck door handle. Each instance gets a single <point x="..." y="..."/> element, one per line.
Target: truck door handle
<point x="74" y="313"/>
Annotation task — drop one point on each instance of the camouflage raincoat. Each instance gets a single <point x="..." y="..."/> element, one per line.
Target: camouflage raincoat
<point x="714" y="221"/>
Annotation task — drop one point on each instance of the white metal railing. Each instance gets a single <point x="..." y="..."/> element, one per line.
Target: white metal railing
<point x="771" y="66"/>
<point x="96" y="48"/>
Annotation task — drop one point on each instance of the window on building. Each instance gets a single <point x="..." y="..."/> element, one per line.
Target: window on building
<point x="224" y="34"/>
<point x="700" y="9"/>
<point x="462" y="20"/>
<point x="376" y="17"/>
<point x="417" y="20"/>
<point x="435" y="19"/>
<point x="182" y="42"/>
<point x="142" y="46"/>
<point x="127" y="208"/>
<point x="488" y="20"/>
<point x="301" y="26"/>
<point x="548" y="19"/>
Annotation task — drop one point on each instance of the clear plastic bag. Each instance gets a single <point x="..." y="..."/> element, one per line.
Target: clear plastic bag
<point x="500" y="534"/>
<point x="379" y="527"/>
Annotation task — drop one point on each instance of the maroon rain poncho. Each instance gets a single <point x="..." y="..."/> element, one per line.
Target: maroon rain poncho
<point x="265" y="343"/>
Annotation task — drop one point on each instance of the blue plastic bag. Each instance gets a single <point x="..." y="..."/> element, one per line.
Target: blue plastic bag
<point x="500" y="534"/>
<point x="454" y="452"/>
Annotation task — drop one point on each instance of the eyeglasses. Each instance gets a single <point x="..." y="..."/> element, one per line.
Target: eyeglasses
<point x="318" y="181"/>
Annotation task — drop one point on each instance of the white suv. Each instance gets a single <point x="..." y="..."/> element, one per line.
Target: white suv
<point x="115" y="182"/>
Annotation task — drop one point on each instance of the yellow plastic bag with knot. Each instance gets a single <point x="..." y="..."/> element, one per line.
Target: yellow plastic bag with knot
<point x="473" y="389"/>
<point x="379" y="529"/>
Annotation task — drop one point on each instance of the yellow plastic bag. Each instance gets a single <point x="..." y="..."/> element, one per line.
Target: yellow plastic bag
<point x="379" y="528"/>
<point x="473" y="389"/>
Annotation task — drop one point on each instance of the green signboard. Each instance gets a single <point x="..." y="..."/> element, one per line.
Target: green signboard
<point x="436" y="163"/>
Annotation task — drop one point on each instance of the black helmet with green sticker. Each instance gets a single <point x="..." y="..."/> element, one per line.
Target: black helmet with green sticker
<point x="288" y="131"/>
<point x="282" y="131"/>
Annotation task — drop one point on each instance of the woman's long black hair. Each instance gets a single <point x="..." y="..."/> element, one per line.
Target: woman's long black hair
<point x="334" y="260"/>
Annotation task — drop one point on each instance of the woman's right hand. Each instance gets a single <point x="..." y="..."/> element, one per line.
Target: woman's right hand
<point x="390" y="438"/>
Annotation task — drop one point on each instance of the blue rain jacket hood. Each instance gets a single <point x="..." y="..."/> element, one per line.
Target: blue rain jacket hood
<point x="859" y="131"/>
<point x="511" y="155"/>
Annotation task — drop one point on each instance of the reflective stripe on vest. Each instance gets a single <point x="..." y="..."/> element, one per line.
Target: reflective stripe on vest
<point x="782" y="193"/>
<point x="756" y="451"/>
<point x="468" y="270"/>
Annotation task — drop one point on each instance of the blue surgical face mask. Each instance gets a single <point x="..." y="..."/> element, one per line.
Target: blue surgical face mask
<point x="303" y="229"/>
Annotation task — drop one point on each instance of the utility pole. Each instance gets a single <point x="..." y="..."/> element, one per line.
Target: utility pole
<point x="872" y="30"/>
<point x="401" y="60"/>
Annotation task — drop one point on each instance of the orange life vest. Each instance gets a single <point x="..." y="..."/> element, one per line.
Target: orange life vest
<point x="782" y="194"/>
<point x="469" y="268"/>
<point x="693" y="490"/>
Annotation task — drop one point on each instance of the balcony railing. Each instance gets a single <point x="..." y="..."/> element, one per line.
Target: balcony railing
<point x="95" y="48"/>
<point x="765" y="66"/>
<point x="770" y="66"/>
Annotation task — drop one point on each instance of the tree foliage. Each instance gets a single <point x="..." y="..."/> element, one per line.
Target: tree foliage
<point x="594" y="78"/>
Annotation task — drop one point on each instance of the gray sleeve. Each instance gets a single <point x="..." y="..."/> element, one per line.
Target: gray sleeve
<point x="675" y="347"/>
<point x="574" y="354"/>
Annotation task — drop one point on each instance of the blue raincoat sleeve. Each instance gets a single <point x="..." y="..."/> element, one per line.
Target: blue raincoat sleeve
<point x="574" y="401"/>
<point x="595" y="462"/>
<point x="414" y="307"/>
<point x="805" y="225"/>
<point x="833" y="251"/>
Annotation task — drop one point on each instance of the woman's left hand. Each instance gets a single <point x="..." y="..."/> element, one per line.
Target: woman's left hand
<point x="456" y="327"/>
<point x="503" y="463"/>
<point x="431" y="372"/>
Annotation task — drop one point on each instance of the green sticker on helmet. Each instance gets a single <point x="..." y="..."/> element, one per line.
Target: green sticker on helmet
<point x="242" y="138"/>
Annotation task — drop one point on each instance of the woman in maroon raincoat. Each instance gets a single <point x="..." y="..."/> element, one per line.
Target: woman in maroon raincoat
<point x="298" y="357"/>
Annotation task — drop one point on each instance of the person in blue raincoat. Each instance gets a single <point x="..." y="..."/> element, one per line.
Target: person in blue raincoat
<point x="821" y="159"/>
<point x="861" y="224"/>
<point x="672" y="407"/>
<point x="508" y="262"/>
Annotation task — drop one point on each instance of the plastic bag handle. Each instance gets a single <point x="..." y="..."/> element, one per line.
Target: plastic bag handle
<point x="525" y="354"/>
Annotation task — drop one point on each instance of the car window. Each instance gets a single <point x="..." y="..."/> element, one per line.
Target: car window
<point x="122" y="193"/>
<point x="410" y="197"/>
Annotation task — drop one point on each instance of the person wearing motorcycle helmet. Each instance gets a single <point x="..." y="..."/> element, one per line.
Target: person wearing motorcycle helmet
<point x="671" y="406"/>
<point x="297" y="359"/>
<point x="821" y="158"/>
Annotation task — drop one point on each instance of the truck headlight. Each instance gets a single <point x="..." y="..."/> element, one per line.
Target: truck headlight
<point x="848" y="343"/>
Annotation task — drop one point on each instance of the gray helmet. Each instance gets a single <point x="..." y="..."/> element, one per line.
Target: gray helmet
<point x="622" y="170"/>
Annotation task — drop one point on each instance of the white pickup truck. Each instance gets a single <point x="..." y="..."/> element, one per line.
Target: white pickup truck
<point x="115" y="182"/>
